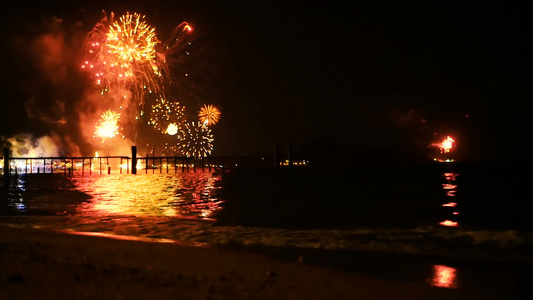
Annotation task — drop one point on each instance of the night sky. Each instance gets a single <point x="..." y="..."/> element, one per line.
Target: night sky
<point x="377" y="79"/>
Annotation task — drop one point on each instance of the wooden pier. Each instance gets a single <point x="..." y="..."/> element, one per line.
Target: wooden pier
<point x="74" y="165"/>
<point x="134" y="164"/>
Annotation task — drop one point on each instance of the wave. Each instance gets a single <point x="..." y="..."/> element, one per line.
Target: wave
<point x="504" y="246"/>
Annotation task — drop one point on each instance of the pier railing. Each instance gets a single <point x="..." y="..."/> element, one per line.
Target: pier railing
<point x="70" y="165"/>
<point x="134" y="164"/>
<point x="111" y="165"/>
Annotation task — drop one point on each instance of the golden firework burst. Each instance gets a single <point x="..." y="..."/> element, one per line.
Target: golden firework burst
<point x="209" y="114"/>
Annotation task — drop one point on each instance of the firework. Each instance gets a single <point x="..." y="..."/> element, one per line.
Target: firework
<point x="132" y="40"/>
<point x="195" y="140"/>
<point x="123" y="53"/>
<point x="125" y="58"/>
<point x="100" y="64"/>
<point x="446" y="145"/>
<point x="175" y="44"/>
<point x="164" y="113"/>
<point x="209" y="115"/>
<point x="172" y="129"/>
<point x="108" y="125"/>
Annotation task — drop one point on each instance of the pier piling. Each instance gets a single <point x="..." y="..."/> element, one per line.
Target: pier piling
<point x="133" y="159"/>
<point x="6" y="162"/>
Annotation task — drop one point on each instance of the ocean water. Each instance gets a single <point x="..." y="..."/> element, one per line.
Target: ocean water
<point x="445" y="214"/>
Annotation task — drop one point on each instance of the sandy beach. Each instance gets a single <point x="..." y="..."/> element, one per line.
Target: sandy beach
<point x="38" y="264"/>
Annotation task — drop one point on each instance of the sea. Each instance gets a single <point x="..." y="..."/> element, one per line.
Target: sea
<point x="449" y="225"/>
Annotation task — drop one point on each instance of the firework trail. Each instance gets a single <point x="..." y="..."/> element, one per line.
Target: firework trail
<point x="108" y="125"/>
<point x="209" y="115"/>
<point x="168" y="51"/>
<point x="195" y="140"/>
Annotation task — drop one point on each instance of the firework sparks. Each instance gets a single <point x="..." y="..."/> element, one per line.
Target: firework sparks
<point x="195" y="140"/>
<point x="165" y="113"/>
<point x="132" y="40"/>
<point x="125" y="57"/>
<point x="446" y="145"/>
<point x="172" y="129"/>
<point x="209" y="115"/>
<point x="173" y="46"/>
<point x="108" y="125"/>
<point x="124" y="53"/>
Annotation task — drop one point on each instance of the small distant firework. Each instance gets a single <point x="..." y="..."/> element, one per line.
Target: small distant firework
<point x="446" y="145"/>
<point x="209" y="115"/>
<point x="165" y="113"/>
<point x="195" y="140"/>
<point x="108" y="125"/>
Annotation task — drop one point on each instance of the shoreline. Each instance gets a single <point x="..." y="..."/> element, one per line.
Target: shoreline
<point x="37" y="264"/>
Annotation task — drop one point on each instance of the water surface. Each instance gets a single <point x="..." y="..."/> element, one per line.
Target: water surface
<point x="451" y="213"/>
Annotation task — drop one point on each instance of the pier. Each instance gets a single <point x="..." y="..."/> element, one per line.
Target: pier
<point x="134" y="164"/>
<point x="86" y="165"/>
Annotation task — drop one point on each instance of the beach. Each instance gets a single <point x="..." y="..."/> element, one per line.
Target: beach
<point x="42" y="264"/>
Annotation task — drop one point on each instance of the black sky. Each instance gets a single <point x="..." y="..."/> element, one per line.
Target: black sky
<point x="353" y="78"/>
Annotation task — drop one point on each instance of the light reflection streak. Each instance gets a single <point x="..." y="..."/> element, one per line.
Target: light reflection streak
<point x="450" y="193"/>
<point x="188" y="195"/>
<point x="13" y="194"/>
<point x="133" y="238"/>
<point x="444" y="277"/>
<point x="450" y="188"/>
<point x="449" y="223"/>
<point x="450" y="176"/>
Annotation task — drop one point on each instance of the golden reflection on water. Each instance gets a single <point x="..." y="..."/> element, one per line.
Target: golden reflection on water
<point x="444" y="277"/>
<point x="183" y="194"/>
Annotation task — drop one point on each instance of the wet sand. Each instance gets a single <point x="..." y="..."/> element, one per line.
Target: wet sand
<point x="38" y="264"/>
